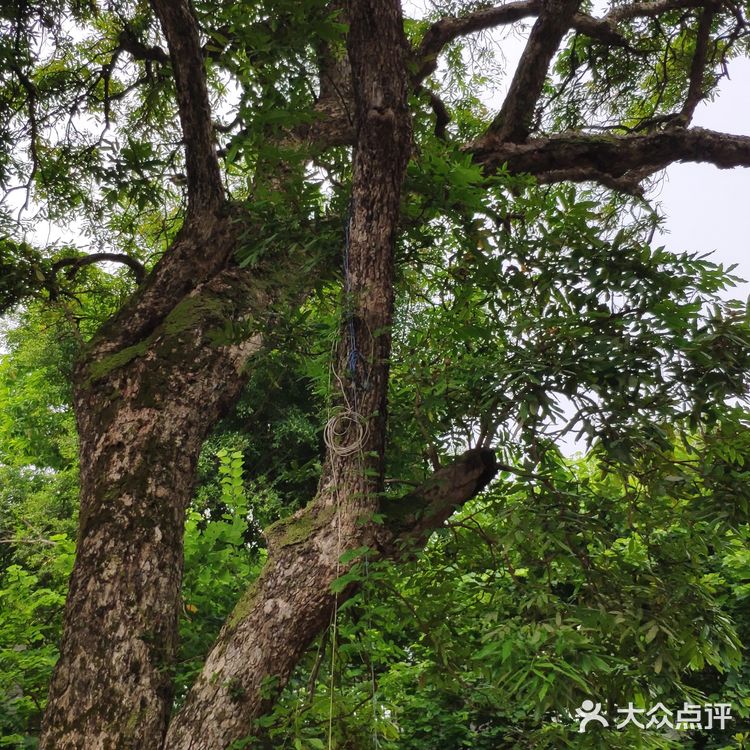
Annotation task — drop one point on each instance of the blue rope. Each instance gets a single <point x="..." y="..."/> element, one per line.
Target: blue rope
<point x="354" y="354"/>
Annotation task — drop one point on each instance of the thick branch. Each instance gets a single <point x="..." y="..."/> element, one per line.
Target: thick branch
<point x="139" y="272"/>
<point x="600" y="30"/>
<point x="410" y="521"/>
<point x="514" y="120"/>
<point x="333" y="126"/>
<point x="581" y="157"/>
<point x="292" y="600"/>
<point x="128" y="42"/>
<point x="447" y="29"/>
<point x="142" y="415"/>
<point x="698" y="65"/>
<point x="205" y="190"/>
<point x="199" y="251"/>
<point x="333" y="114"/>
<point x="648" y="9"/>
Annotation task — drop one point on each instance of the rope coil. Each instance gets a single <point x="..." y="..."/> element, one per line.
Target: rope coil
<point x="339" y="427"/>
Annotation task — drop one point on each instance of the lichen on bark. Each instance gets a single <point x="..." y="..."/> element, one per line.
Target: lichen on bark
<point x="299" y="527"/>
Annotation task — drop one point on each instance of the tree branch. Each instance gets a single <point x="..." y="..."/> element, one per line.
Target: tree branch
<point x="698" y="64"/>
<point x="208" y="236"/>
<point x="648" y="9"/>
<point x="410" y="521"/>
<point x="129" y="43"/>
<point x="582" y="157"/>
<point x="514" y="120"/>
<point x="137" y="268"/>
<point x="442" y="116"/>
<point x="291" y="601"/>
<point x="447" y="29"/>
<point x="204" y="186"/>
<point x="600" y="30"/>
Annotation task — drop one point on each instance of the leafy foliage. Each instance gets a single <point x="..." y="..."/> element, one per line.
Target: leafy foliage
<point x="535" y="319"/>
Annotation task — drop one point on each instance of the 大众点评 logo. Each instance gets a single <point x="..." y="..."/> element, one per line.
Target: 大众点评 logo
<point x="690" y="716"/>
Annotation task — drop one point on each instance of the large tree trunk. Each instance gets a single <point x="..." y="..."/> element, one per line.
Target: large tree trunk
<point x="161" y="372"/>
<point x="143" y="413"/>
<point x="151" y="384"/>
<point x="159" y="376"/>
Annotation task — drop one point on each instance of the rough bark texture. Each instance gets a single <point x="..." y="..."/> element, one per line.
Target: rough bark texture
<point x="579" y="156"/>
<point x="205" y="191"/>
<point x="147" y="390"/>
<point x="292" y="600"/>
<point x="410" y="521"/>
<point x="513" y="122"/>
<point x="143" y="414"/>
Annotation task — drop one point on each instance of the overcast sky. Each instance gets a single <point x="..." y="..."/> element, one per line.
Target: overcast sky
<point x="709" y="208"/>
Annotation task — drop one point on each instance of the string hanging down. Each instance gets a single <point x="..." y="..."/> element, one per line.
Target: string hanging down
<point x="353" y="352"/>
<point x="345" y="435"/>
<point x="346" y="431"/>
<point x="355" y="359"/>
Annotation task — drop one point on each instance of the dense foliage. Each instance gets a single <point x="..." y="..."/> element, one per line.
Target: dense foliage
<point x="622" y="575"/>
<point x="611" y="558"/>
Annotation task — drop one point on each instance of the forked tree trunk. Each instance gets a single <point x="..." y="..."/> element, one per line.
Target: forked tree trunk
<point x="291" y="602"/>
<point x="155" y="381"/>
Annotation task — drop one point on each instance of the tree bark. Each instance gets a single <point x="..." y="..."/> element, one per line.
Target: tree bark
<point x="142" y="413"/>
<point x="581" y="156"/>
<point x="152" y="384"/>
<point x="269" y="630"/>
<point x="513" y="122"/>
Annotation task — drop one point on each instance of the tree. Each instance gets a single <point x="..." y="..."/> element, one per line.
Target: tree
<point x="243" y="264"/>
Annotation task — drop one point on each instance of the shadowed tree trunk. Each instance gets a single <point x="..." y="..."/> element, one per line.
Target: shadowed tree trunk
<point x="147" y="390"/>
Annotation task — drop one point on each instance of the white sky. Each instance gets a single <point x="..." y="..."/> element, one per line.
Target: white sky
<point x="709" y="208"/>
